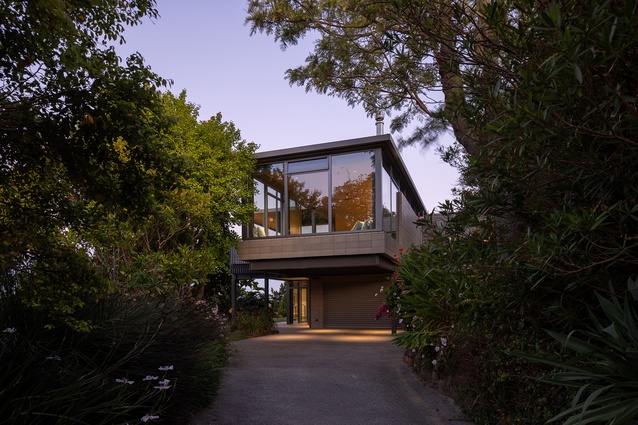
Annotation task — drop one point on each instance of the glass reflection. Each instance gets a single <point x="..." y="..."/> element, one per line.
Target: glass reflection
<point x="268" y="201"/>
<point x="308" y="203"/>
<point x="353" y="191"/>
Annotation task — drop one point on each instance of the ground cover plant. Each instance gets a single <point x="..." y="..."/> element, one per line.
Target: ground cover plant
<point x="143" y="357"/>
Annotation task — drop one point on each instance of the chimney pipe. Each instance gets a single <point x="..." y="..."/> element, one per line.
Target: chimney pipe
<point x="379" y="119"/>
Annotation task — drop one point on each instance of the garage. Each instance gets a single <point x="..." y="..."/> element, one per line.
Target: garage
<point x="353" y="305"/>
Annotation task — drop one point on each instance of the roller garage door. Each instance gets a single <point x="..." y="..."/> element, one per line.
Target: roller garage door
<point x="353" y="305"/>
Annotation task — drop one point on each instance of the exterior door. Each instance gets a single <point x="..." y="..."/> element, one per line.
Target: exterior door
<point x="298" y="304"/>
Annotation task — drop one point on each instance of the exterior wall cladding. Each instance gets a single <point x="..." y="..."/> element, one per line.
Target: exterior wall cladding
<point x="344" y="270"/>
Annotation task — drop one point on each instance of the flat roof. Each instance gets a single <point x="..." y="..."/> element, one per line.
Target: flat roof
<point x="383" y="141"/>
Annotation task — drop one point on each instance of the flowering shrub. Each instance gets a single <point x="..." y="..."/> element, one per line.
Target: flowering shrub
<point x="458" y="328"/>
<point x="383" y="311"/>
<point x="145" y="359"/>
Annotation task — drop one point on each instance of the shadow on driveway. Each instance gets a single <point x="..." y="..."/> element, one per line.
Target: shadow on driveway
<point x="324" y="376"/>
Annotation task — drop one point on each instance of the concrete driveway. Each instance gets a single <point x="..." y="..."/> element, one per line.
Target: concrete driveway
<point x="322" y="376"/>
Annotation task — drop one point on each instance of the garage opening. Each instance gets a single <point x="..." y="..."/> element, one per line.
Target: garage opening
<point x="353" y="305"/>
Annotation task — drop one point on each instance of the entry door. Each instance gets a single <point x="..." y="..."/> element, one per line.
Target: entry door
<point x="299" y="297"/>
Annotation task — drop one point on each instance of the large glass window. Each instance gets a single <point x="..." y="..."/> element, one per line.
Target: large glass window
<point x="389" y="199"/>
<point x="268" y="200"/>
<point x="353" y="191"/>
<point x="308" y="203"/>
<point x="333" y="193"/>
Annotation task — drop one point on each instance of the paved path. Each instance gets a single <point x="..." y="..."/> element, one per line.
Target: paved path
<point x="322" y="376"/>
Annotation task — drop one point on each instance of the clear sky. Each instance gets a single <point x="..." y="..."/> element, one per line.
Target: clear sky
<point x="206" y="49"/>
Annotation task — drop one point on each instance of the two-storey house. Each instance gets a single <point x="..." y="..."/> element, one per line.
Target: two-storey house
<point x="329" y="220"/>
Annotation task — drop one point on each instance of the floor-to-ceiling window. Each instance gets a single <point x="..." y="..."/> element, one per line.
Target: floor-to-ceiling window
<point x="353" y="191"/>
<point x="268" y="200"/>
<point x="389" y="199"/>
<point x="332" y="193"/>
<point x="308" y="191"/>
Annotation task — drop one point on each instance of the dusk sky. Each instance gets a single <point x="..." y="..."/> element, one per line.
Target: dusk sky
<point x="206" y="49"/>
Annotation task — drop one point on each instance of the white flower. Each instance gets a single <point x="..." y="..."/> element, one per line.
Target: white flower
<point x="150" y="378"/>
<point x="381" y="290"/>
<point x="124" y="381"/>
<point x="443" y="341"/>
<point x="434" y="362"/>
<point x="437" y="348"/>
<point x="149" y="417"/>
<point x="166" y="367"/>
<point x="400" y="320"/>
<point x="9" y="330"/>
<point x="163" y="385"/>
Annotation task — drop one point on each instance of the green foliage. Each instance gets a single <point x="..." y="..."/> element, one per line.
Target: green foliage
<point x="254" y="324"/>
<point x="81" y="139"/>
<point x="64" y="376"/>
<point x="603" y="368"/>
<point x="185" y="242"/>
<point x="107" y="186"/>
<point x="546" y="218"/>
<point x="105" y="183"/>
<point x="382" y="55"/>
<point x="278" y="301"/>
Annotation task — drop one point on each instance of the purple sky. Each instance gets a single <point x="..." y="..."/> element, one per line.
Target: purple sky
<point x="205" y="48"/>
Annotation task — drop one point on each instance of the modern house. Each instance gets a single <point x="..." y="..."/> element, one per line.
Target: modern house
<point x="329" y="220"/>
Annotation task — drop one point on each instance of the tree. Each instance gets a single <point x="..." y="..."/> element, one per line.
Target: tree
<point x="82" y="138"/>
<point x="278" y="301"/>
<point x="187" y="239"/>
<point x="550" y="212"/>
<point x="385" y="55"/>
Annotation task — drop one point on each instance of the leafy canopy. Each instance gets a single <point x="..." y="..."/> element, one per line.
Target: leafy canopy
<point x="94" y="156"/>
<point x="401" y="55"/>
<point x="187" y="239"/>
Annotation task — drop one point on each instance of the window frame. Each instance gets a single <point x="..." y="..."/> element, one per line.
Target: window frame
<point x="379" y="161"/>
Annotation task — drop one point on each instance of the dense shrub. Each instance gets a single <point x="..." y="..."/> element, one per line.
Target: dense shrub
<point x="142" y="356"/>
<point x="251" y="302"/>
<point x="603" y="366"/>
<point x="252" y="318"/>
<point x="254" y="324"/>
<point x="548" y="214"/>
